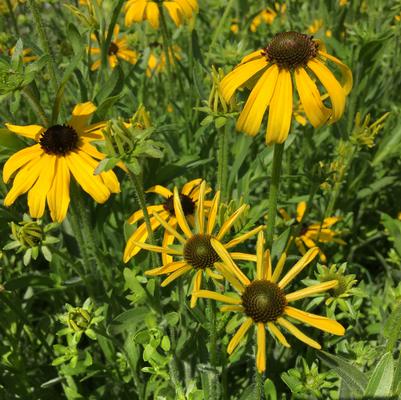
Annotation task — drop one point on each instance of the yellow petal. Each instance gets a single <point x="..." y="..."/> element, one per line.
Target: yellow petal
<point x="58" y="197"/>
<point x="261" y="352"/>
<point x="317" y="321"/>
<point x="345" y="70"/>
<point x="225" y="257"/>
<point x="251" y="116"/>
<point x="152" y="14"/>
<point x="200" y="212"/>
<point x="279" y="267"/>
<point x="334" y="89"/>
<point x="235" y="283"/>
<point x="175" y="275"/>
<point x="230" y="221"/>
<point x="163" y="191"/>
<point x="311" y="290"/>
<point x="234" y="242"/>
<point x="298" y="334"/>
<point x="169" y="228"/>
<point x="231" y="308"/>
<point x="298" y="267"/>
<point x="260" y="265"/>
<point x="268" y="266"/>
<point x="179" y="214"/>
<point x="185" y="7"/>
<point x="277" y="333"/>
<point x="174" y="11"/>
<point x="239" y="335"/>
<point x="189" y="186"/>
<point x="81" y="115"/>
<point x="239" y="75"/>
<point x="280" y="112"/>
<point x="134" y="11"/>
<point x="310" y="98"/>
<point x="19" y="159"/>
<point x="29" y="131"/>
<point x="208" y="294"/>
<point x="83" y="172"/>
<point x="168" y="239"/>
<point x="166" y="269"/>
<point x="213" y="213"/>
<point x="37" y="194"/>
<point x="196" y="288"/>
<point x="301" y="208"/>
<point x="243" y="256"/>
<point x="253" y="55"/>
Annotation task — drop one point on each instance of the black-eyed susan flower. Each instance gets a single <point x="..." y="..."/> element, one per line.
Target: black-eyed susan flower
<point x="265" y="304"/>
<point x="267" y="16"/>
<point x="157" y="63"/>
<point x="270" y="72"/>
<point x="188" y="196"/>
<point x="145" y="10"/>
<point x="44" y="169"/>
<point x="194" y="252"/>
<point x="118" y="49"/>
<point x="311" y="235"/>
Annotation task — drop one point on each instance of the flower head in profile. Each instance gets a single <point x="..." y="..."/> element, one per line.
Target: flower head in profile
<point x="118" y="49"/>
<point x="290" y="57"/>
<point x="44" y="169"/>
<point x="194" y="253"/>
<point x="189" y="196"/>
<point x="145" y="10"/>
<point x="312" y="234"/>
<point x="263" y="300"/>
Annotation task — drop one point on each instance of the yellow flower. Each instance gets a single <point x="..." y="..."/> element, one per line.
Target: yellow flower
<point x="44" y="169"/>
<point x="312" y="234"/>
<point x="141" y="10"/>
<point x="264" y="302"/>
<point x="26" y="56"/>
<point x="189" y="197"/>
<point x="267" y="16"/>
<point x="316" y="25"/>
<point x="270" y="73"/>
<point x="343" y="3"/>
<point x="118" y="49"/>
<point x="234" y="28"/>
<point x="195" y="252"/>
<point x="157" y="64"/>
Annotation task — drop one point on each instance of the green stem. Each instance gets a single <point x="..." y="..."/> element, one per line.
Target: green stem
<point x="211" y="317"/>
<point x="273" y="193"/>
<point x="13" y="19"/>
<point x="35" y="104"/>
<point x="258" y="386"/>
<point x="223" y="162"/>
<point x="217" y="32"/>
<point x="172" y="366"/>
<point x="44" y="42"/>
<point x="140" y="197"/>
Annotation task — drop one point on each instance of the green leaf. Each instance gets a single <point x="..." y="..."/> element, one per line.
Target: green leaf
<point x="393" y="227"/>
<point x="381" y="381"/>
<point x="10" y="140"/>
<point x="280" y="244"/>
<point x="270" y="390"/>
<point x="128" y="320"/>
<point x="392" y="327"/>
<point x="352" y="376"/>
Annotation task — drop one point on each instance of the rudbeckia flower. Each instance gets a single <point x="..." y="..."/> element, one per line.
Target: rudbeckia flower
<point x="188" y="196"/>
<point x="270" y="72"/>
<point x="194" y="252"/>
<point x="265" y="304"/>
<point x="157" y="63"/>
<point x="311" y="235"/>
<point x="118" y="48"/>
<point x="141" y="10"/>
<point x="44" y="169"/>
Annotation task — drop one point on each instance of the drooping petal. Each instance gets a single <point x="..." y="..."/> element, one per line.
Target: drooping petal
<point x="174" y="11"/>
<point x="196" y="287"/>
<point x="235" y="283"/>
<point x="81" y="115"/>
<point x="163" y="191"/>
<point x="239" y="75"/>
<point x="137" y="215"/>
<point x="185" y="7"/>
<point x="169" y="228"/>
<point x="84" y="175"/>
<point x="280" y="110"/>
<point x="310" y="98"/>
<point x="29" y="131"/>
<point x="239" y="335"/>
<point x="255" y="54"/>
<point x="134" y="11"/>
<point x="168" y="239"/>
<point x="261" y="352"/>
<point x="277" y="333"/>
<point x="311" y="290"/>
<point x="189" y="186"/>
<point x="301" y="208"/>
<point x="317" y="321"/>
<point x="298" y="334"/>
<point x="58" y="197"/>
<point x="19" y="159"/>
<point x="37" y="194"/>
<point x="298" y="267"/>
<point x="208" y="294"/>
<point x="175" y="275"/>
<point x="251" y="116"/>
<point x="152" y="14"/>
<point x="333" y="87"/>
<point x="179" y="214"/>
<point x="166" y="269"/>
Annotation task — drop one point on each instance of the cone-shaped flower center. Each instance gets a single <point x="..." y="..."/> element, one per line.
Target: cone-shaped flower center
<point x="199" y="253"/>
<point x="188" y="205"/>
<point x="263" y="301"/>
<point x="59" y="140"/>
<point x="291" y="50"/>
<point x="113" y="49"/>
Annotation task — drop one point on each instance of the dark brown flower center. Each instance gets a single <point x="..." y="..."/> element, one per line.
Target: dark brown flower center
<point x="199" y="253"/>
<point x="187" y="204"/>
<point x="59" y="140"/>
<point x="263" y="301"/>
<point x="291" y="50"/>
<point x="113" y="49"/>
